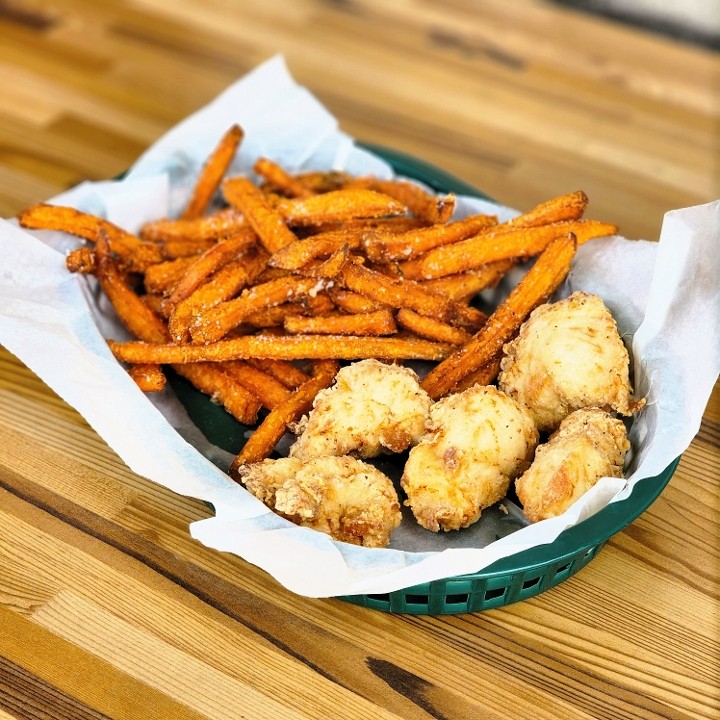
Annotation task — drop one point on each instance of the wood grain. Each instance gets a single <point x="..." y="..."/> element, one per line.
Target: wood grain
<point x="109" y="609"/>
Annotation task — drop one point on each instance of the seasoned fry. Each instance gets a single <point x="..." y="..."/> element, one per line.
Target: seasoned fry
<point x="484" y="375"/>
<point x="134" y="254"/>
<point x="274" y="317"/>
<point x="430" y="328"/>
<point x="148" y="376"/>
<point x="267" y="222"/>
<point x="135" y="315"/>
<point x="500" y="244"/>
<point x="563" y="207"/>
<point x="216" y="322"/>
<point x="300" y="253"/>
<point x="401" y="293"/>
<point x="223" y="285"/>
<point x="280" y="180"/>
<point x="212" y="173"/>
<point x="208" y="227"/>
<point x="380" y="322"/>
<point x="269" y="391"/>
<point x="352" y="302"/>
<point x="162" y="276"/>
<point x="422" y="204"/>
<point x="337" y="206"/>
<point x="207" y="263"/>
<point x="549" y="270"/>
<point x="282" y="370"/>
<point x="330" y="268"/>
<point x="223" y="389"/>
<point x="405" y="246"/>
<point x="143" y="323"/>
<point x="464" y="286"/>
<point x="290" y="347"/>
<point x="263" y="441"/>
<point x="81" y="260"/>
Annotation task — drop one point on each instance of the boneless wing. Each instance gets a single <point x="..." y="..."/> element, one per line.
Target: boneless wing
<point x="588" y="445"/>
<point x="568" y="355"/>
<point x="344" y="497"/>
<point x="478" y="441"/>
<point x="372" y="407"/>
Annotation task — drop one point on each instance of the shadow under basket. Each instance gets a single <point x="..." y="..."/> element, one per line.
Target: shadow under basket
<point x="509" y="580"/>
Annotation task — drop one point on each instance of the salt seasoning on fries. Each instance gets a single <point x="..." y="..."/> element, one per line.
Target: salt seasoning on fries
<point x="257" y="303"/>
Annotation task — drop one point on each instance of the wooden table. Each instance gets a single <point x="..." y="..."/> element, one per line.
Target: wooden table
<point x="109" y="609"/>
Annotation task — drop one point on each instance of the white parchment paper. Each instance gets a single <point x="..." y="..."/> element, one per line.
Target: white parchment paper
<point x="663" y="294"/>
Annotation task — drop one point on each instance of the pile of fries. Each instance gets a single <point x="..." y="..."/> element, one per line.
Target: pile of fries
<point x="257" y="297"/>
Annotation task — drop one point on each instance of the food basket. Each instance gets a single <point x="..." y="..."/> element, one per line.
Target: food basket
<point x="511" y="579"/>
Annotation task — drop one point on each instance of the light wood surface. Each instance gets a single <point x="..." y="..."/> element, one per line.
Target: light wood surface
<point x="108" y="609"/>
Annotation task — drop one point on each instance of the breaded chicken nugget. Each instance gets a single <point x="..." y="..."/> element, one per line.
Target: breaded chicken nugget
<point x="568" y="355"/>
<point x="588" y="445"/>
<point x="344" y="497"/>
<point x="478" y="441"/>
<point x="372" y="407"/>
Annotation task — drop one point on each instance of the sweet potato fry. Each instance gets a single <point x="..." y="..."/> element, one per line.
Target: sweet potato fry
<point x="211" y="379"/>
<point x="227" y="282"/>
<point x="491" y="246"/>
<point x="133" y="254"/>
<point x="430" y="328"/>
<point x="352" y="302"/>
<point x="548" y="271"/>
<point x="81" y="260"/>
<point x="148" y="376"/>
<point x="400" y="293"/>
<point x="280" y="180"/>
<point x="330" y="268"/>
<point x="288" y="347"/>
<point x="208" y="227"/>
<point x="380" y="322"/>
<point x="269" y="391"/>
<point x="298" y="254"/>
<point x="144" y="324"/>
<point x="464" y="286"/>
<point x="206" y="264"/>
<point x="422" y="204"/>
<point x="337" y="206"/>
<point x="161" y="277"/>
<point x="263" y="441"/>
<point x="219" y="320"/>
<point x="484" y="375"/>
<point x="405" y="246"/>
<point x="322" y="181"/>
<point x="134" y="314"/>
<point x="274" y="317"/>
<point x="212" y="173"/>
<point x="564" y="207"/>
<point x="267" y="222"/>
<point x="282" y="370"/>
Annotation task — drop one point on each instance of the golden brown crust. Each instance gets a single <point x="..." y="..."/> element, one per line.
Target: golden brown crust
<point x="568" y="355"/>
<point x="588" y="445"/>
<point x="477" y="442"/>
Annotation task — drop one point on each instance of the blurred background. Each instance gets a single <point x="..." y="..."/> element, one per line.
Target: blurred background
<point x="524" y="100"/>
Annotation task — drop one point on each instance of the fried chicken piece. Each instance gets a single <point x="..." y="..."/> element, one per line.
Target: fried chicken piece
<point x="371" y="408"/>
<point x="344" y="497"/>
<point x="478" y="441"/>
<point x="588" y="445"/>
<point x="568" y="355"/>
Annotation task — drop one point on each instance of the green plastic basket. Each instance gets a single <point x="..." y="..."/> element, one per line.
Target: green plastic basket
<point x="509" y="580"/>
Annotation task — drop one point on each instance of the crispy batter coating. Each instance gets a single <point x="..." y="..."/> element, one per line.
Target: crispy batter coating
<point x="568" y="355"/>
<point x="344" y="497"/>
<point x="372" y="407"/>
<point x="588" y="445"/>
<point x="478" y="441"/>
